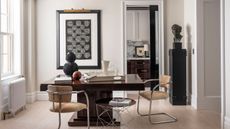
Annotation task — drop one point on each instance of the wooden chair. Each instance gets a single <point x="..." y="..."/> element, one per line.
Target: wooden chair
<point x="155" y="94"/>
<point x="61" y="98"/>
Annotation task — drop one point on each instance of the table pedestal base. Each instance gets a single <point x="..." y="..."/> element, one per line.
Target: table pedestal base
<point x="74" y="121"/>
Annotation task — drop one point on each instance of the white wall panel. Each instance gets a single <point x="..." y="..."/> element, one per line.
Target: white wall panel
<point x="208" y="55"/>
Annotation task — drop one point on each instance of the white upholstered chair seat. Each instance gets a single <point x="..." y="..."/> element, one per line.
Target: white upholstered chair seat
<point x="155" y="95"/>
<point x="68" y="107"/>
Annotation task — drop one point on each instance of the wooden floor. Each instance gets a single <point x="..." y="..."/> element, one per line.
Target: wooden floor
<point x="38" y="116"/>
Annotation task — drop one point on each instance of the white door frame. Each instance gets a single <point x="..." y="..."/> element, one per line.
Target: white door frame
<point x="223" y="63"/>
<point x="222" y="23"/>
<point x="161" y="30"/>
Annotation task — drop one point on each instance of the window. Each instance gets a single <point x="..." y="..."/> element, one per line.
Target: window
<point x="10" y="38"/>
<point x="6" y="39"/>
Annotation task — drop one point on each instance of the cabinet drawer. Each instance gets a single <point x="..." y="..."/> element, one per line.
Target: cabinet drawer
<point x="141" y="62"/>
<point x="144" y="75"/>
<point x="142" y="70"/>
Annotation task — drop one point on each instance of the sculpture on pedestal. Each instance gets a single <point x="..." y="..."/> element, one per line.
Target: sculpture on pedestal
<point x="176" y="30"/>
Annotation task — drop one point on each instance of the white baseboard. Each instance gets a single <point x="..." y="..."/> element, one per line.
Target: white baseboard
<point x="226" y="122"/>
<point x="3" y="108"/>
<point x="42" y="95"/>
<point x="132" y="92"/>
<point x="194" y="101"/>
<point x="30" y="97"/>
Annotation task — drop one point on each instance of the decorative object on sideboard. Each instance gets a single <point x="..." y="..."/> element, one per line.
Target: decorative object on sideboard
<point x="131" y="47"/>
<point x="139" y="51"/>
<point x="78" y="31"/>
<point x="146" y="50"/>
<point x="105" y="66"/>
<point x="70" y="67"/>
<point x="76" y="76"/>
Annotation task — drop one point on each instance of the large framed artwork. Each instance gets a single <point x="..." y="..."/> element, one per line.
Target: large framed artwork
<point x="79" y="32"/>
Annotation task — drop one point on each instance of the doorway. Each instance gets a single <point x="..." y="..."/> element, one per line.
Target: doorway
<point x="143" y="46"/>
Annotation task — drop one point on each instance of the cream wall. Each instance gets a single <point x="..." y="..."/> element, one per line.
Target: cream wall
<point x="112" y="46"/>
<point x="30" y="50"/>
<point x="173" y="14"/>
<point x="190" y="42"/>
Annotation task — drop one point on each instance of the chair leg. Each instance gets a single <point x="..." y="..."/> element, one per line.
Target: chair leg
<point x="59" y="125"/>
<point x="173" y="119"/>
<point x="88" y="119"/>
<point x="138" y="106"/>
<point x="88" y="124"/>
<point x="97" y="113"/>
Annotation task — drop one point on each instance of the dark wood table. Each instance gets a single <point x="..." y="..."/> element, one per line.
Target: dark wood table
<point x="97" y="88"/>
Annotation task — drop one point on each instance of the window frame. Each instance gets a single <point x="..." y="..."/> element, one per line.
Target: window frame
<point x="9" y="33"/>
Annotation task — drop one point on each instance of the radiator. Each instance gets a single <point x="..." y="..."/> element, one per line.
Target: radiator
<point x="17" y="95"/>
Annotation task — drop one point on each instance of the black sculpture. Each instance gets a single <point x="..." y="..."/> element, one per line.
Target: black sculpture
<point x="176" y="30"/>
<point x="70" y="67"/>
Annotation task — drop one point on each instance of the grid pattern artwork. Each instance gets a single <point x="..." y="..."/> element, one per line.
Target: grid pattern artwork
<point x="78" y="38"/>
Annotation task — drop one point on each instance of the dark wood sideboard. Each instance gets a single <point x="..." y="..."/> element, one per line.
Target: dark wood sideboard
<point x="140" y="67"/>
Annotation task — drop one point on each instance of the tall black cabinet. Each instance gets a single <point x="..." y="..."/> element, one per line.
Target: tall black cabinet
<point x="177" y="67"/>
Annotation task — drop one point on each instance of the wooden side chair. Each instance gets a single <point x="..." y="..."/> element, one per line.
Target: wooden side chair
<point x="61" y="98"/>
<point x="155" y="94"/>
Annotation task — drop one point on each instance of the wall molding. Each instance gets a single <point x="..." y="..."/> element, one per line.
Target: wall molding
<point x="30" y="97"/>
<point x="226" y="122"/>
<point x="42" y="95"/>
<point x="194" y="101"/>
<point x="4" y="107"/>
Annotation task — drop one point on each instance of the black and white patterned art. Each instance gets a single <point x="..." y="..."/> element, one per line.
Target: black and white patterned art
<point x="78" y="38"/>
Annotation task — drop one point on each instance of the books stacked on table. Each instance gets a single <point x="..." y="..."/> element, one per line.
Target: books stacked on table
<point x="120" y="102"/>
<point x="63" y="79"/>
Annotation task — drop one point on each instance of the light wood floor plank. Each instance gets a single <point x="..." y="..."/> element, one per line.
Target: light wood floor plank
<point x="38" y="116"/>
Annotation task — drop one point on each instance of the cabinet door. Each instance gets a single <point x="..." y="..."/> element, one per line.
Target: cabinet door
<point x="138" y="26"/>
<point x="143" y="25"/>
<point x="130" y="24"/>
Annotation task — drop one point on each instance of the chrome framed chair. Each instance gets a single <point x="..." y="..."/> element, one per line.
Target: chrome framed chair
<point x="156" y="94"/>
<point x="61" y="98"/>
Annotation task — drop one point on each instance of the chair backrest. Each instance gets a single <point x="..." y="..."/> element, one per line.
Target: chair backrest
<point x="59" y="93"/>
<point x="165" y="81"/>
